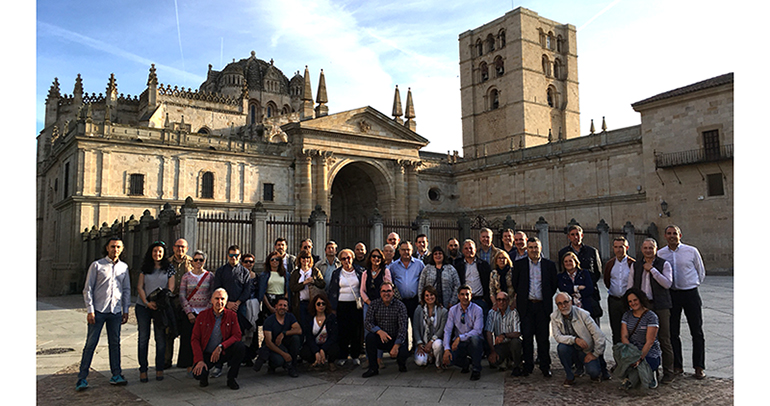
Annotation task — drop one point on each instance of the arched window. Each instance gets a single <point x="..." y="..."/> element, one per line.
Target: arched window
<point x="552" y="97"/>
<point x="550" y="41"/>
<point x="204" y="131"/>
<point x="490" y="43"/>
<point x="271" y="109"/>
<point x="557" y="68"/>
<point x="559" y="44"/>
<point x="479" y="48"/>
<point x="484" y="70"/>
<point x="494" y="99"/>
<point x="499" y="66"/>
<point x="546" y="66"/>
<point x="207" y="185"/>
<point x="501" y="36"/>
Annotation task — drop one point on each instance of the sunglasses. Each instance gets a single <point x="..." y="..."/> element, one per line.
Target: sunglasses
<point x="275" y="259"/>
<point x="320" y="304"/>
<point x="376" y="257"/>
<point x="233" y="255"/>
<point x="462" y="318"/>
<point x="248" y="262"/>
<point x="345" y="258"/>
<point x="198" y="259"/>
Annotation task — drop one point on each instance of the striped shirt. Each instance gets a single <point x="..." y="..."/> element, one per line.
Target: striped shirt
<point x="499" y="324"/>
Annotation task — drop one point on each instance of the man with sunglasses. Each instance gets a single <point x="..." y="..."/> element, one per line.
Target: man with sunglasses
<point x="463" y="334"/>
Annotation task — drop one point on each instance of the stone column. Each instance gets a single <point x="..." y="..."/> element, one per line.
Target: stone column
<point x="413" y="197"/>
<point x="400" y="211"/>
<point x="322" y="181"/>
<point x="465" y="227"/>
<point x="423" y="225"/>
<point x="605" y="250"/>
<point x="259" y="243"/>
<point x="317" y="222"/>
<point x="542" y="234"/>
<point x="630" y="231"/>
<point x="304" y="184"/>
<point x="376" y="239"/>
<point x="144" y="225"/>
<point x="189" y="224"/>
<point x="165" y="232"/>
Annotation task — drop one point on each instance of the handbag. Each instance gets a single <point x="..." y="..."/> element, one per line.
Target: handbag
<point x="359" y="301"/>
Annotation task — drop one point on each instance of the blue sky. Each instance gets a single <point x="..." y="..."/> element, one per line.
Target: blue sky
<point x="627" y="50"/>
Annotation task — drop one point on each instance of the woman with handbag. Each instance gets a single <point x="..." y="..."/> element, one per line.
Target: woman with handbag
<point x="157" y="274"/>
<point x="639" y="327"/>
<point x="195" y="296"/>
<point x="344" y="296"/>
<point x="321" y="334"/>
<point x="305" y="283"/>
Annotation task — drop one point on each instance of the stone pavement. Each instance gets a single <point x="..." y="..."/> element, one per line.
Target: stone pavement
<point x="61" y="326"/>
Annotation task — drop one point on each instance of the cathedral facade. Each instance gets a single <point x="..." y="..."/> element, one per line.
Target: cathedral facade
<point x="251" y="134"/>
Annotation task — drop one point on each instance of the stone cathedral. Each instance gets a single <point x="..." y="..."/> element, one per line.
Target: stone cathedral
<point x="251" y="134"/>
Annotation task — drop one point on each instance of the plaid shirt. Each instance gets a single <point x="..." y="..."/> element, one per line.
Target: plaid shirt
<point x="391" y="319"/>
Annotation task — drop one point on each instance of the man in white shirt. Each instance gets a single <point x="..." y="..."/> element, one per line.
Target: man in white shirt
<point x="616" y="272"/>
<point x="688" y="274"/>
<point x="107" y="295"/>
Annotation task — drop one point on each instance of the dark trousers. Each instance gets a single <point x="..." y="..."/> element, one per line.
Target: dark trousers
<point x="411" y="305"/>
<point x="616" y="308"/>
<point x="290" y="344"/>
<point x="373" y="343"/>
<point x="350" y="321"/>
<point x="690" y="302"/>
<point x="664" y="337"/>
<point x="535" y="324"/>
<point x="185" y="358"/>
<point x="332" y="353"/>
<point x="473" y="347"/>
<point x="145" y="320"/>
<point x="233" y="355"/>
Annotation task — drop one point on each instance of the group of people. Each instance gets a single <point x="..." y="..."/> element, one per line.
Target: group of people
<point x="463" y="304"/>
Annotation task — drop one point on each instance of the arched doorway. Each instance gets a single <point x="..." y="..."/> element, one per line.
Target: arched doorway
<point x="358" y="188"/>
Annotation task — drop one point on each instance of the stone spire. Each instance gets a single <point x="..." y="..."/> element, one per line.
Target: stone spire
<point x="409" y="115"/>
<point x="306" y="111"/>
<point x="152" y="79"/>
<point x="52" y="103"/>
<point x="604" y="125"/>
<point x="152" y="88"/>
<point x="593" y="129"/>
<point x="77" y="93"/>
<point x="397" y="107"/>
<point x="112" y="88"/>
<point x="321" y="98"/>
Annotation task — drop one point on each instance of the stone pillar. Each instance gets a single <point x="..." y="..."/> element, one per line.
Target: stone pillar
<point x="85" y="260"/>
<point x="630" y="230"/>
<point x="144" y="225"/>
<point x="132" y="250"/>
<point x="400" y="211"/>
<point x="93" y="242"/>
<point x="413" y="197"/>
<point x="317" y="222"/>
<point x="165" y="232"/>
<point x="542" y="234"/>
<point x="376" y="239"/>
<point x="322" y="182"/>
<point x="423" y="225"/>
<point x="259" y="243"/>
<point x="304" y="184"/>
<point x="605" y="249"/>
<point x="189" y="224"/>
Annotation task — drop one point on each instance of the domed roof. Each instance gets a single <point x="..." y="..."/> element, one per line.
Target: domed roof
<point x="253" y="70"/>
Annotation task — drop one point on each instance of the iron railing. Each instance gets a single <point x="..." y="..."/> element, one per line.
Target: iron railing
<point x="695" y="156"/>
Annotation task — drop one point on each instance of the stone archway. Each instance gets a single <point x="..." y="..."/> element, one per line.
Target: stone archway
<point x="357" y="189"/>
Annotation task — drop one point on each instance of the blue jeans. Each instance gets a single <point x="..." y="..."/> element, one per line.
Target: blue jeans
<point x="144" y="317"/>
<point x="113" y="322"/>
<point x="473" y="347"/>
<point x="570" y="355"/>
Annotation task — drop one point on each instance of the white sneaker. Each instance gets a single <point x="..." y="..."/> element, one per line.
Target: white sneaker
<point x="215" y="372"/>
<point x="356" y="361"/>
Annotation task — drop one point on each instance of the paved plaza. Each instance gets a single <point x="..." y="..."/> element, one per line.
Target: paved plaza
<point x="61" y="326"/>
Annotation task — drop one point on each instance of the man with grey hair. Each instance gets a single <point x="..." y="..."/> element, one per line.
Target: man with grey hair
<point x="486" y="250"/>
<point x="652" y="274"/>
<point x="688" y="272"/>
<point x="580" y="341"/>
<point x="393" y="239"/>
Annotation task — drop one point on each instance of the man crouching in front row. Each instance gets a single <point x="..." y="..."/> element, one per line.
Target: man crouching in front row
<point x="217" y="337"/>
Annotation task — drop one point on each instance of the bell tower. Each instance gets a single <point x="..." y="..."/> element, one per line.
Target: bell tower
<point x="518" y="83"/>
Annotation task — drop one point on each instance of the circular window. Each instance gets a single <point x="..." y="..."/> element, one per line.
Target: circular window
<point x="434" y="194"/>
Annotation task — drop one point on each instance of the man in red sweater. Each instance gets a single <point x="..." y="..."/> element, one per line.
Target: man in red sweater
<point x="216" y="338"/>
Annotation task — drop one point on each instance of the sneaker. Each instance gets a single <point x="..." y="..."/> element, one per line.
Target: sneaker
<point x="81" y="385"/>
<point x="356" y="362"/>
<point x="118" y="380"/>
<point x="340" y="362"/>
<point x="216" y="372"/>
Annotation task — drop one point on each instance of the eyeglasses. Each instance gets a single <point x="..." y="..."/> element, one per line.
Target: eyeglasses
<point x="198" y="259"/>
<point x="248" y="262"/>
<point x="562" y="304"/>
<point x="275" y="259"/>
<point x="505" y="299"/>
